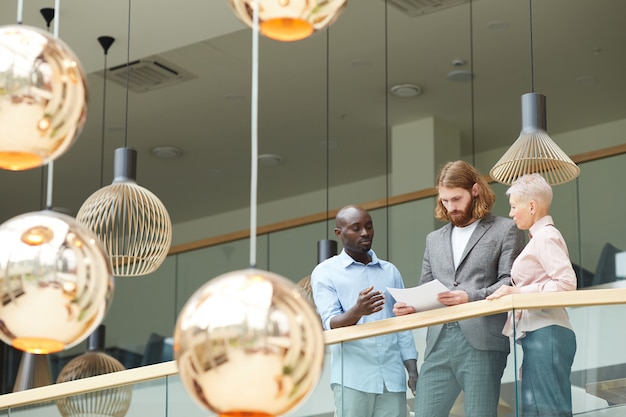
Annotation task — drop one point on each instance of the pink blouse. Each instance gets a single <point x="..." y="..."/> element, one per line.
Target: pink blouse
<point x="543" y="266"/>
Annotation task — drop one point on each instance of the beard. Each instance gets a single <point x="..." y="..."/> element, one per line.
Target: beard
<point x="462" y="218"/>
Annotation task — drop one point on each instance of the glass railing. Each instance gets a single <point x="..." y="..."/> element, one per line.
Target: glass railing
<point x="598" y="378"/>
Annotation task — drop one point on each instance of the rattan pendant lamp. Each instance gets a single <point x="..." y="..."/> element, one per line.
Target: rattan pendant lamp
<point x="111" y="402"/>
<point x="132" y="223"/>
<point x="534" y="151"/>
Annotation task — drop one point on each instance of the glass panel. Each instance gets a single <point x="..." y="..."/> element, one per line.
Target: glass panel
<point x="293" y="252"/>
<point x="602" y="229"/>
<point x="409" y="224"/>
<point x="598" y="373"/>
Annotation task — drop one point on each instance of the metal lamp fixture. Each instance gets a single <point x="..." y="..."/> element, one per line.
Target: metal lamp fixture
<point x="112" y="402"/>
<point x="289" y="20"/>
<point x="55" y="281"/>
<point x="534" y="151"/>
<point x="326" y="248"/>
<point x="131" y="222"/>
<point x="249" y="327"/>
<point x="44" y="97"/>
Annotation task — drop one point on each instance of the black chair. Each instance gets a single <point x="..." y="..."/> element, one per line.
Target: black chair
<point x="605" y="270"/>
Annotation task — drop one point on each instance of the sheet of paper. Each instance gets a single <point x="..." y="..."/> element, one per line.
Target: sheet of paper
<point x="422" y="298"/>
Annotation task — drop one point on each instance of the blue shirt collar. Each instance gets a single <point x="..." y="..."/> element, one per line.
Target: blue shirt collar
<point x="346" y="260"/>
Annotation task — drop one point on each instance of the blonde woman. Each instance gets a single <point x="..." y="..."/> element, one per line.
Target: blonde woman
<point x="546" y="335"/>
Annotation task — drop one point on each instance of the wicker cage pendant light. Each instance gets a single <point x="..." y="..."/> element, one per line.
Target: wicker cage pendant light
<point x="534" y="151"/>
<point x="112" y="402"/>
<point x="132" y="223"/>
<point x="289" y="20"/>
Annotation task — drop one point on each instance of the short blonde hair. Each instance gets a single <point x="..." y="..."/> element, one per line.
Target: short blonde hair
<point x="532" y="187"/>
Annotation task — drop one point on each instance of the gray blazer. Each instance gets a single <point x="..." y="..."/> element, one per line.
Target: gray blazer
<point x="485" y="266"/>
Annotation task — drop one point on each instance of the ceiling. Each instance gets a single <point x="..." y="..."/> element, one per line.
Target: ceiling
<point x="330" y="89"/>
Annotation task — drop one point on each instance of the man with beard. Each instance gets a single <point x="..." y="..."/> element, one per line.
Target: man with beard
<point x="472" y="255"/>
<point x="368" y="376"/>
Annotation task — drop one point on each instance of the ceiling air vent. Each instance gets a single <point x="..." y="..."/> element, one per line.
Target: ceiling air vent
<point x="422" y="7"/>
<point x="148" y="74"/>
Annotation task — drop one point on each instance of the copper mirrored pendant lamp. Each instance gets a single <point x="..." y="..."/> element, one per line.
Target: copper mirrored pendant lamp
<point x="534" y="151"/>
<point x="289" y="20"/>
<point x="43" y="105"/>
<point x="249" y="328"/>
<point x="55" y="280"/>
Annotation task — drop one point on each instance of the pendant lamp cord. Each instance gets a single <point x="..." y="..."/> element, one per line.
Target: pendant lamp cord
<point x="51" y="163"/>
<point x="104" y="105"/>
<point x="254" y="133"/>
<point x="472" y="99"/>
<point x="532" y="55"/>
<point x="327" y="144"/>
<point x="20" y="11"/>
<point x="127" y="76"/>
<point x="387" y="130"/>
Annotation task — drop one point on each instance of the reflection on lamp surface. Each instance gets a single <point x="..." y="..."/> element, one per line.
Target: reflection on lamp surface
<point x="54" y="292"/>
<point x="43" y="97"/>
<point x="289" y="20"/>
<point x="249" y="327"/>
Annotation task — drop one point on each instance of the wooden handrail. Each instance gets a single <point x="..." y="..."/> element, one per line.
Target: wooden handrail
<point x="599" y="297"/>
<point x="371" y="205"/>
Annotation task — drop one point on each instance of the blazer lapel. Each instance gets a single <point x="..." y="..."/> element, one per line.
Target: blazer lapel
<point x="484" y="225"/>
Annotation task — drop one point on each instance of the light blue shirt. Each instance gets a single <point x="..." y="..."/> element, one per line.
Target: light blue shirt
<point x="374" y="363"/>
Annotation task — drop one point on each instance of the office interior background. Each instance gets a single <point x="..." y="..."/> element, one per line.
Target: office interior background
<point x="333" y="128"/>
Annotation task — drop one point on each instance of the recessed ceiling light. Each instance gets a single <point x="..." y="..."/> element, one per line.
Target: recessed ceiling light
<point x="167" y="152"/>
<point x="269" y="160"/>
<point x="586" y="80"/>
<point x="360" y="63"/>
<point x="405" y="90"/>
<point x="498" y="25"/>
<point x="459" y="75"/>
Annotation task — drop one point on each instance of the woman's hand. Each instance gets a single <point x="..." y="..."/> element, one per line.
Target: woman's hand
<point x="502" y="291"/>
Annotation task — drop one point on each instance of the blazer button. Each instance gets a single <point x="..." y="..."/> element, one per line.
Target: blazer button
<point x="456" y="284"/>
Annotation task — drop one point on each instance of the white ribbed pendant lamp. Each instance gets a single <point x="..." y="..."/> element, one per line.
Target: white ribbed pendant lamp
<point x="131" y="222"/>
<point x="534" y="151"/>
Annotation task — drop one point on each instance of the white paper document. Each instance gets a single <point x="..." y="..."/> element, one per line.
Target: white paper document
<point x="422" y="298"/>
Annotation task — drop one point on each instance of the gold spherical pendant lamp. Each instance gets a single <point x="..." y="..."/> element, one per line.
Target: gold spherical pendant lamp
<point x="130" y="221"/>
<point x="55" y="282"/>
<point x="254" y="328"/>
<point x="289" y="20"/>
<point x="43" y="97"/>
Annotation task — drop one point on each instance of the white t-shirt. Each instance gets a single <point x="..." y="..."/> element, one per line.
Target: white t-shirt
<point x="460" y="237"/>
